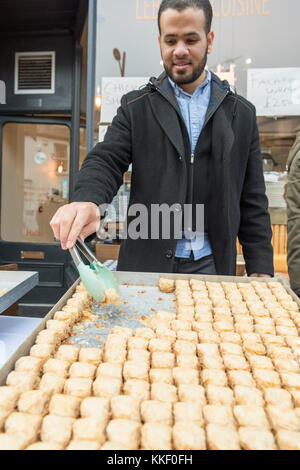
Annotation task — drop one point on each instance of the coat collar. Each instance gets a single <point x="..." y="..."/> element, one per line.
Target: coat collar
<point x="167" y="112"/>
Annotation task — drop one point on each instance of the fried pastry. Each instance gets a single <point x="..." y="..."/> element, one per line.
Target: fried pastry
<point x="290" y="380"/>
<point x="82" y="370"/>
<point x="166" y="333"/>
<point x="161" y="375"/>
<point x="89" y="429"/>
<point x="166" y="285"/>
<point x="78" y="387"/>
<point x="115" y="355"/>
<point x="266" y="378"/>
<point x="48" y="337"/>
<point x="183" y="375"/>
<point x="8" y="397"/>
<point x="42" y="351"/>
<point x="219" y="395"/>
<point x="56" y="366"/>
<point x="213" y="377"/>
<point x="156" y="436"/>
<point x="52" y="383"/>
<point x="154" y="411"/>
<point x="29" y="364"/>
<point x="34" y="402"/>
<point x="125" y="432"/>
<point x="218" y="414"/>
<point x="95" y="407"/>
<point x="45" y="446"/>
<point x="283" y="418"/>
<point x="140" y="355"/>
<point x="68" y="353"/>
<point x="23" y="381"/>
<point x="209" y="337"/>
<point x="159" y="345"/>
<point x="84" y="445"/>
<point x="252" y="438"/>
<point x="107" y="369"/>
<point x="184" y="347"/>
<point x="162" y="360"/>
<point x="287" y="440"/>
<point x="24" y="425"/>
<point x="192" y="393"/>
<point x="188" y="411"/>
<point x="189" y="361"/>
<point x="278" y="397"/>
<point x="137" y="388"/>
<point x="188" y="436"/>
<point x="248" y="396"/>
<point x="125" y="407"/>
<point x="57" y="429"/>
<point x="247" y="415"/>
<point x="106" y="387"/>
<point x="64" y="405"/>
<point x="135" y="342"/>
<point x="163" y="392"/>
<point x="240" y="377"/>
<point x="11" y="442"/>
<point x="222" y="437"/>
<point x="145" y="333"/>
<point x="90" y="355"/>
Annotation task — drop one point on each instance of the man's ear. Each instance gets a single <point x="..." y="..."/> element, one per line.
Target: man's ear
<point x="210" y="41"/>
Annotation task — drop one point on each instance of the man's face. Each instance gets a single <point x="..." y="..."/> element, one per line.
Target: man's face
<point x="184" y="44"/>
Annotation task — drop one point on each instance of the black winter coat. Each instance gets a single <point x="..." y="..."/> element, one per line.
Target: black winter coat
<point x="148" y="132"/>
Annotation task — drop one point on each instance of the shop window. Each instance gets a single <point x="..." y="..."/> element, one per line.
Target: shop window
<point x="35" y="179"/>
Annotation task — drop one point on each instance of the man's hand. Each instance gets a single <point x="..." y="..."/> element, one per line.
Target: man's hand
<point x="78" y="219"/>
<point x="259" y="275"/>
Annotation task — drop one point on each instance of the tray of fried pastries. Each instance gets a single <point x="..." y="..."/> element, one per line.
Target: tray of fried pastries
<point x="188" y="363"/>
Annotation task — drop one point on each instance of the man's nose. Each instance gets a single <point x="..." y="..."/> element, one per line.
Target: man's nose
<point x="181" y="50"/>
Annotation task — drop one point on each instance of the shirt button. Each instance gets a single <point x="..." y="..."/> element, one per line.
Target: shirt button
<point x="169" y="254"/>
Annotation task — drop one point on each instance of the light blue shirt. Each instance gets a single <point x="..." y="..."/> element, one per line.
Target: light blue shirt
<point x="193" y="110"/>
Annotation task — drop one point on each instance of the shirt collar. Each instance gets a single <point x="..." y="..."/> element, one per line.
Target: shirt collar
<point x="180" y="91"/>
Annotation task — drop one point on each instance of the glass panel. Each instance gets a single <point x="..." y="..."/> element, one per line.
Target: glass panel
<point x="82" y="146"/>
<point x="35" y="179"/>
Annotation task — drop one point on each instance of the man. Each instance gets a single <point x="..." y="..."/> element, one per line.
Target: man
<point x="293" y="213"/>
<point x="191" y="141"/>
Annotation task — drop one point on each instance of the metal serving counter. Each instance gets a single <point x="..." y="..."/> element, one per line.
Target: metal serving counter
<point x="17" y="283"/>
<point x="140" y="298"/>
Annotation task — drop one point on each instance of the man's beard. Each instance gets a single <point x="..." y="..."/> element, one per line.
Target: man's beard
<point x="196" y="73"/>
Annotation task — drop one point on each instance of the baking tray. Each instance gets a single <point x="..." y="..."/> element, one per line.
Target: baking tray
<point x="140" y="299"/>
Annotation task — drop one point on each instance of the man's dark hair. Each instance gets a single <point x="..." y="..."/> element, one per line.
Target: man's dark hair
<point x="181" y="5"/>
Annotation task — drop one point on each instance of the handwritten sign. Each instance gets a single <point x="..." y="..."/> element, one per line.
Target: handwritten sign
<point x="275" y="92"/>
<point x="113" y="88"/>
<point x="102" y="132"/>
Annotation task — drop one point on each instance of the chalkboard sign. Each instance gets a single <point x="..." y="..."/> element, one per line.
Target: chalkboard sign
<point x="275" y="92"/>
<point x="113" y="88"/>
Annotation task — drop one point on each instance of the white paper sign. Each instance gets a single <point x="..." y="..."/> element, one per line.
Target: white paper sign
<point x="102" y="132"/>
<point x="113" y="88"/>
<point x="275" y="92"/>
